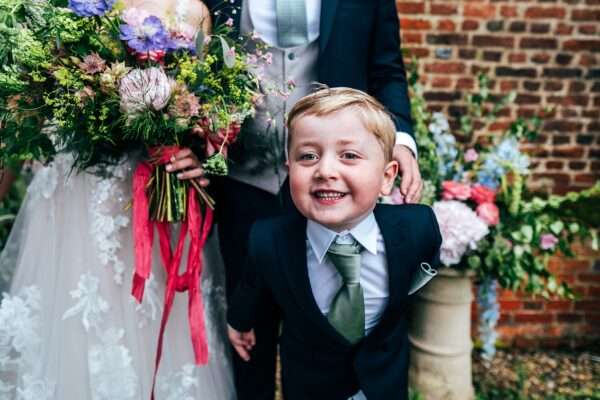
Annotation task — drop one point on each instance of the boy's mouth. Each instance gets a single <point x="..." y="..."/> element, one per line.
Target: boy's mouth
<point x="328" y="195"/>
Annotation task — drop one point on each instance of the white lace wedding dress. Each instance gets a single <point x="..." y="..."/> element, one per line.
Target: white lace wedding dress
<point x="70" y="329"/>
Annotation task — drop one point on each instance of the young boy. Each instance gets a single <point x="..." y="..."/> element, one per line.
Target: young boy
<point x="340" y="273"/>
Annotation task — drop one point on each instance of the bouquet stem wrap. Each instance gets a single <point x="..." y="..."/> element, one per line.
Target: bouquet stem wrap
<point x="198" y="227"/>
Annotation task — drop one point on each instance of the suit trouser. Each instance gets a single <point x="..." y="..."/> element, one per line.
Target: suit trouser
<point x="238" y="207"/>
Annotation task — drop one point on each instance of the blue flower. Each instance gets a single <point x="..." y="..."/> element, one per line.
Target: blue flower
<point x="489" y="314"/>
<point x="506" y="156"/>
<point x="90" y="8"/>
<point x="151" y="35"/>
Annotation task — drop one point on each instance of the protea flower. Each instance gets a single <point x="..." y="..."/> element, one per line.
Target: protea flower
<point x="145" y="89"/>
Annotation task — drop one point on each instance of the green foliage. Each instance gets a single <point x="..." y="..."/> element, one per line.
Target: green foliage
<point x="517" y="249"/>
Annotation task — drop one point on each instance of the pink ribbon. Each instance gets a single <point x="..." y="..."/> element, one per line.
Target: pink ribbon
<point x="189" y="281"/>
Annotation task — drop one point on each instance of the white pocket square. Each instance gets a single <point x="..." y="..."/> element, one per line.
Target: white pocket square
<point x="423" y="275"/>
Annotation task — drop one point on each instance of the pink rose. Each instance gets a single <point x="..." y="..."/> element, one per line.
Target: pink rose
<point x="481" y="194"/>
<point x="471" y="155"/>
<point x="455" y="190"/>
<point x="548" y="241"/>
<point x="489" y="213"/>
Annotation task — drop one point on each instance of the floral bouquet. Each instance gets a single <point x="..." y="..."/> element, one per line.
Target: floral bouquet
<point x="489" y="222"/>
<point x="102" y="82"/>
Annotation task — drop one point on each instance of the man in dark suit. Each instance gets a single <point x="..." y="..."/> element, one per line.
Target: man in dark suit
<point x="341" y="272"/>
<point x="352" y="43"/>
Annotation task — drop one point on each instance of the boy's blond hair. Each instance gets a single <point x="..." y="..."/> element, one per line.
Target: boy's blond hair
<point x="372" y="113"/>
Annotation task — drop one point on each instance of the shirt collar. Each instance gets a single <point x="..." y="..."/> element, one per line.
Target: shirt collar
<point x="320" y="237"/>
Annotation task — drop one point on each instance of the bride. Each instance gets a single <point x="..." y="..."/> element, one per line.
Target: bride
<point x="69" y="328"/>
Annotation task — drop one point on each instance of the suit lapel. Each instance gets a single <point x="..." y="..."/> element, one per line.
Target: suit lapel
<point x="328" y="9"/>
<point x="400" y="253"/>
<point x="291" y="248"/>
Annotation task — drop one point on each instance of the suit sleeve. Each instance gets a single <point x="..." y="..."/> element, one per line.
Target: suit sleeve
<point x="387" y="73"/>
<point x="428" y="268"/>
<point x="251" y="293"/>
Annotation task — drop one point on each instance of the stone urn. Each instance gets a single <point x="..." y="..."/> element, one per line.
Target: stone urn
<point x="440" y="337"/>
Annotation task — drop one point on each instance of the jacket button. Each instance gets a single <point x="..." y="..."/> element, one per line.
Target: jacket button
<point x="291" y="56"/>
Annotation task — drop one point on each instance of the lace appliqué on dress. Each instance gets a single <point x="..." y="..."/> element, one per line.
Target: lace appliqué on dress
<point x="111" y="371"/>
<point x="20" y="345"/>
<point x="90" y="305"/>
<point x="108" y="218"/>
<point x="179" y="385"/>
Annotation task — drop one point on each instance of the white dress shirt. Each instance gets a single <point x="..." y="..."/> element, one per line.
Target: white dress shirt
<point x="325" y="281"/>
<point x="264" y="19"/>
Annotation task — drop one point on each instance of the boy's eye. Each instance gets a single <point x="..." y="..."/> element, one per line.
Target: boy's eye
<point x="350" y="155"/>
<point x="307" y="157"/>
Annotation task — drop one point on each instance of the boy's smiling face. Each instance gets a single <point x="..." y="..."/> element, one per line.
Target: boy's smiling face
<point x="337" y="169"/>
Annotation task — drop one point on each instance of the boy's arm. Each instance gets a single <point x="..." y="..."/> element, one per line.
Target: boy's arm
<point x="428" y="269"/>
<point x="250" y="295"/>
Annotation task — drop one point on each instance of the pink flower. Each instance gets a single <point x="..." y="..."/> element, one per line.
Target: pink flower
<point x="92" y="64"/>
<point x="153" y="55"/>
<point x="481" y="194"/>
<point x="455" y="190"/>
<point x="471" y="155"/>
<point x="489" y="213"/>
<point x="548" y="241"/>
<point x="229" y="22"/>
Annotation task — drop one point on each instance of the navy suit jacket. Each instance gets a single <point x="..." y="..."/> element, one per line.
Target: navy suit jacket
<point x="359" y="47"/>
<point x="317" y="362"/>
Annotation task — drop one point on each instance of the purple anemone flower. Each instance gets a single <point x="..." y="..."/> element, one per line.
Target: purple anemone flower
<point x="90" y="8"/>
<point x="151" y="35"/>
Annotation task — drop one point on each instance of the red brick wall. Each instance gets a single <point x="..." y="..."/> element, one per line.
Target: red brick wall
<point x="549" y="52"/>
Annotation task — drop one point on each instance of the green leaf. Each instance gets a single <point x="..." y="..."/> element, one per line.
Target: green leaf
<point x="518" y="250"/>
<point x="574" y="227"/>
<point x="527" y="231"/>
<point x="474" y="262"/>
<point x="557" y="227"/>
<point x="228" y="56"/>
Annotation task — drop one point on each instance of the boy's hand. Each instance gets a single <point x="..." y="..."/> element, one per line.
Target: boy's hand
<point x="242" y="342"/>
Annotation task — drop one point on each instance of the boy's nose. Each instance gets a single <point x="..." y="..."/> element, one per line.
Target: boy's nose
<point x="326" y="168"/>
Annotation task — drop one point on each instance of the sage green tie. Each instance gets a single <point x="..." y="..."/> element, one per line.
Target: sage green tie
<point x="291" y="23"/>
<point x="347" y="311"/>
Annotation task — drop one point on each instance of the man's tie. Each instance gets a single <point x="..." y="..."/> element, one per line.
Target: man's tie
<point x="291" y="23"/>
<point x="347" y="311"/>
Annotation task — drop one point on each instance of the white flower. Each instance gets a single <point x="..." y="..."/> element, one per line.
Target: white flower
<point x="461" y="229"/>
<point x="145" y="89"/>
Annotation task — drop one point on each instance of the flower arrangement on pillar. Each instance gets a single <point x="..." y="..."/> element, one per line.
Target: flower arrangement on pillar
<point x="491" y="225"/>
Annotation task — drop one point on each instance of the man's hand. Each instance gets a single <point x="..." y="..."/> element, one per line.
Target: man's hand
<point x="187" y="166"/>
<point x="411" y="185"/>
<point x="242" y="342"/>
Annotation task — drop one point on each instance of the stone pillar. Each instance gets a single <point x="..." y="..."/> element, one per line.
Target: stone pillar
<point x="440" y="337"/>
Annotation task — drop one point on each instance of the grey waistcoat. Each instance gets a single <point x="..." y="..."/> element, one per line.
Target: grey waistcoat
<point x="258" y="159"/>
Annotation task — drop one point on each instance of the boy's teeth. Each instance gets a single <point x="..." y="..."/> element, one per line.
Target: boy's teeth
<point x="329" y="195"/>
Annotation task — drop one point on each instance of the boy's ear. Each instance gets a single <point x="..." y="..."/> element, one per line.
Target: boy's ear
<point x="389" y="176"/>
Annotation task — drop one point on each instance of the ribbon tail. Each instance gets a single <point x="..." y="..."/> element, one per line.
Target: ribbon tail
<point x="142" y="230"/>
<point x="198" y="235"/>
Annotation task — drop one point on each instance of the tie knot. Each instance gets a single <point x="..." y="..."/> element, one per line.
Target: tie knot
<point x="346" y="259"/>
